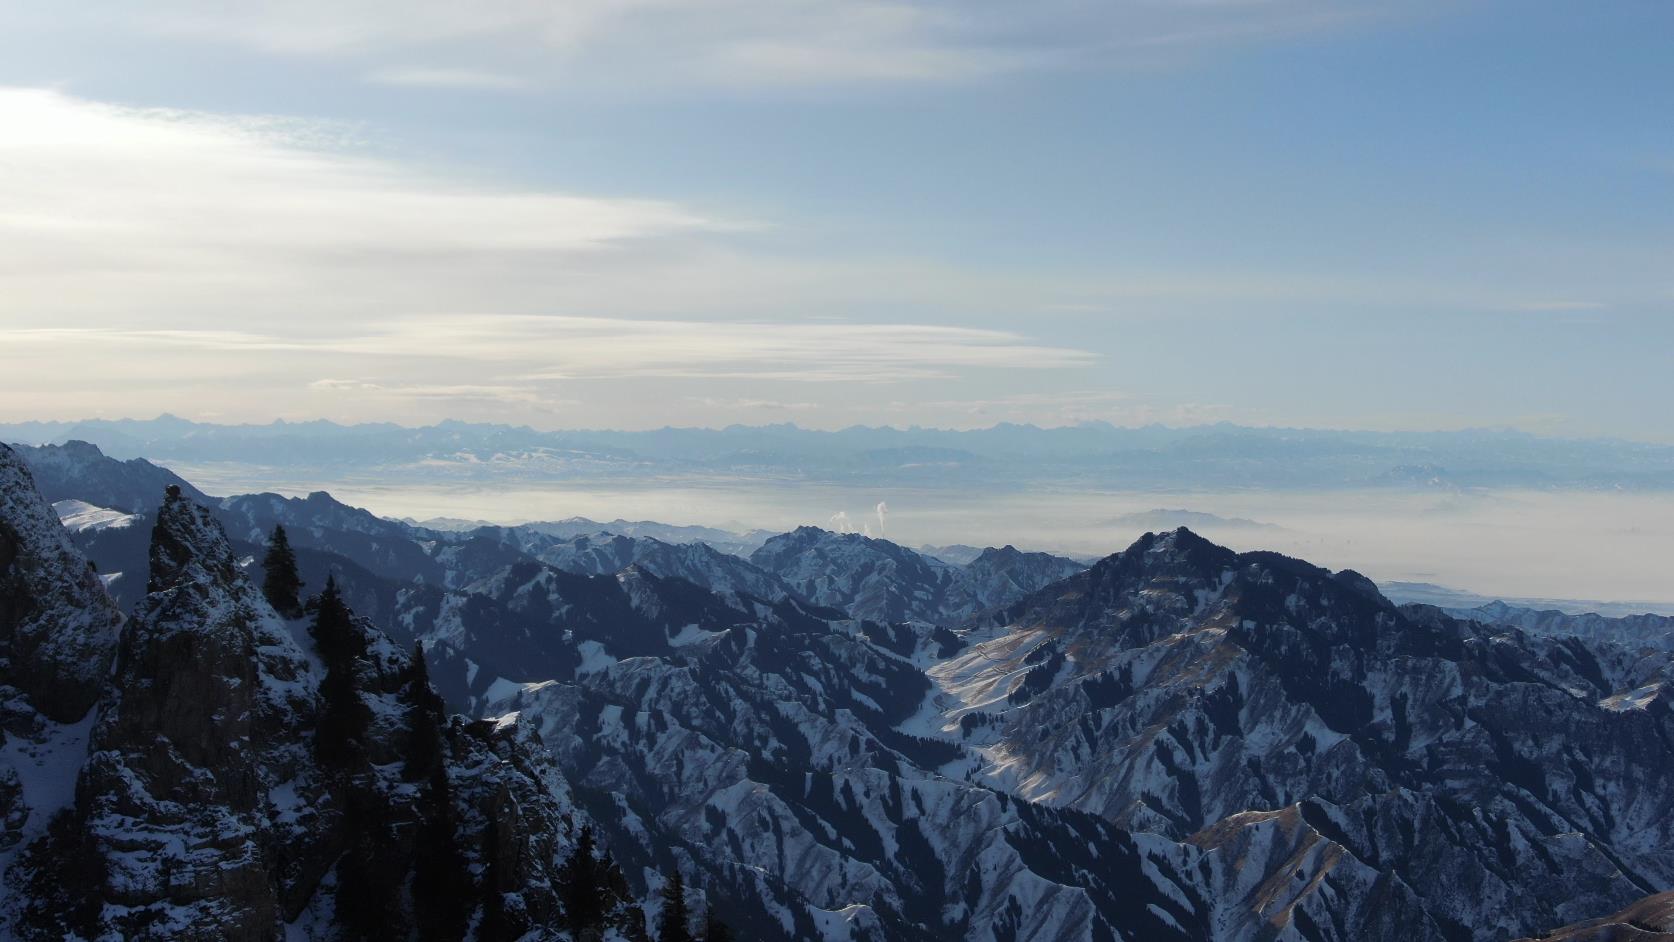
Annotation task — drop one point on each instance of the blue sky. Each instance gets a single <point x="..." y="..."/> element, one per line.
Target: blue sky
<point x="1292" y="212"/>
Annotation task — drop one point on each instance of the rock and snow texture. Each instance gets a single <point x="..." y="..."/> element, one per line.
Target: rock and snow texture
<point x="1655" y="631"/>
<point x="1184" y="690"/>
<point x="882" y="581"/>
<point x="80" y="471"/>
<point x="847" y="740"/>
<point x="1648" y="920"/>
<point x="57" y="628"/>
<point x="187" y="796"/>
<point x="78" y="516"/>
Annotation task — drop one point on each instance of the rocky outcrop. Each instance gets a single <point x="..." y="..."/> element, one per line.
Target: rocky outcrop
<point x="203" y="805"/>
<point x="1179" y="688"/>
<point x="58" y="631"/>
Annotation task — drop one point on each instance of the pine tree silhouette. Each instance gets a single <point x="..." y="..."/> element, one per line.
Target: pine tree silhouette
<point x="344" y="716"/>
<point x="714" y="930"/>
<point x="280" y="582"/>
<point x="441" y="877"/>
<point x="675" y="924"/>
<point x="426" y="717"/>
<point x="582" y="886"/>
<point x="368" y="898"/>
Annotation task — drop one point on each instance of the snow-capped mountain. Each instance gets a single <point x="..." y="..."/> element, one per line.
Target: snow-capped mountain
<point x="698" y="563"/>
<point x="840" y="738"/>
<point x="1001" y="576"/>
<point x="321" y="522"/>
<point x="186" y="796"/>
<point x="1181" y="689"/>
<point x="1648" y="629"/>
<point x="77" y="470"/>
<point x="883" y="581"/>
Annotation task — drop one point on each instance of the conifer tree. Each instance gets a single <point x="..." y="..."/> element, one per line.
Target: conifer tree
<point x="441" y="876"/>
<point x="675" y="925"/>
<point x="582" y="886"/>
<point x="714" y="930"/>
<point x="368" y="898"/>
<point x="280" y="582"/>
<point x="426" y="718"/>
<point x="344" y="716"/>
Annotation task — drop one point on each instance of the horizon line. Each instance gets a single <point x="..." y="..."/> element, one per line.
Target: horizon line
<point x="1088" y="424"/>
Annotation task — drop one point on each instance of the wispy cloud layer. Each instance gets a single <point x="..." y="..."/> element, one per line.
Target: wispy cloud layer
<point x="533" y="349"/>
<point x="756" y="43"/>
<point x="470" y="79"/>
<point x="171" y="251"/>
<point x="120" y="209"/>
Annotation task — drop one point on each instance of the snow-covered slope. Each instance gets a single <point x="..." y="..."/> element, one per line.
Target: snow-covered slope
<point x="1645" y="629"/>
<point x="1648" y="920"/>
<point x="78" y="516"/>
<point x="1178" y="688"/>
<point x="193" y="801"/>
<point x="843" y="738"/>
<point x="879" y="580"/>
<point x="58" y="639"/>
<point x="80" y="471"/>
<point x="320" y="522"/>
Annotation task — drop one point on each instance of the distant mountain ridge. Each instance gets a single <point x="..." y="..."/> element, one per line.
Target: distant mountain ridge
<point x="848" y="740"/>
<point x="1091" y="454"/>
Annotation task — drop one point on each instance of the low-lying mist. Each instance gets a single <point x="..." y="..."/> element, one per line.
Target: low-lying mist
<point x="1568" y="544"/>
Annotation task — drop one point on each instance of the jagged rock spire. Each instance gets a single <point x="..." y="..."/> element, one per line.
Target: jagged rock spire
<point x="58" y="628"/>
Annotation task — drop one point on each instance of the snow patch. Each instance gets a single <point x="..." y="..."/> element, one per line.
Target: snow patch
<point x="78" y="516"/>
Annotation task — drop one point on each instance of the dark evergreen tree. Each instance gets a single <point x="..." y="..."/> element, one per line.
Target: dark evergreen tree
<point x="368" y="899"/>
<point x="675" y="924"/>
<point x="441" y="876"/>
<point x="714" y="930"/>
<point x="344" y="716"/>
<point x="583" y="889"/>
<point x="280" y="582"/>
<point x="426" y="718"/>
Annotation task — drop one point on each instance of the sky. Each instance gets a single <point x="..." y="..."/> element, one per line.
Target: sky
<point x="633" y="213"/>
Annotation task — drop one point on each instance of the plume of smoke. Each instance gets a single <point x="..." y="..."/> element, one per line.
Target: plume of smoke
<point x="883" y="511"/>
<point x="840" y="522"/>
<point x="866" y="530"/>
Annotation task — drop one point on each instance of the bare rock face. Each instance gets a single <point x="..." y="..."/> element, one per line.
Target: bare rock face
<point x="58" y="638"/>
<point x="1505" y="782"/>
<point x="208" y="716"/>
<point x="195" y="803"/>
<point x="58" y="631"/>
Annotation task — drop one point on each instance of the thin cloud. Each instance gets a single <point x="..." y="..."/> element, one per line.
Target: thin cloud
<point x="765" y="44"/>
<point x="464" y="79"/>
<point x="1558" y="307"/>
<point x="120" y="211"/>
<point x="535" y="350"/>
<point x="513" y="395"/>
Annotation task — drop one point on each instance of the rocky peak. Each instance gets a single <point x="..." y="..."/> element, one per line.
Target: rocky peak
<point x="80" y="471"/>
<point x="188" y="546"/>
<point x="58" y="628"/>
<point x="204" y="807"/>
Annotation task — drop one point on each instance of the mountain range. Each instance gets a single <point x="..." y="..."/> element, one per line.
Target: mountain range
<point x="1005" y="456"/>
<point x="833" y="737"/>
